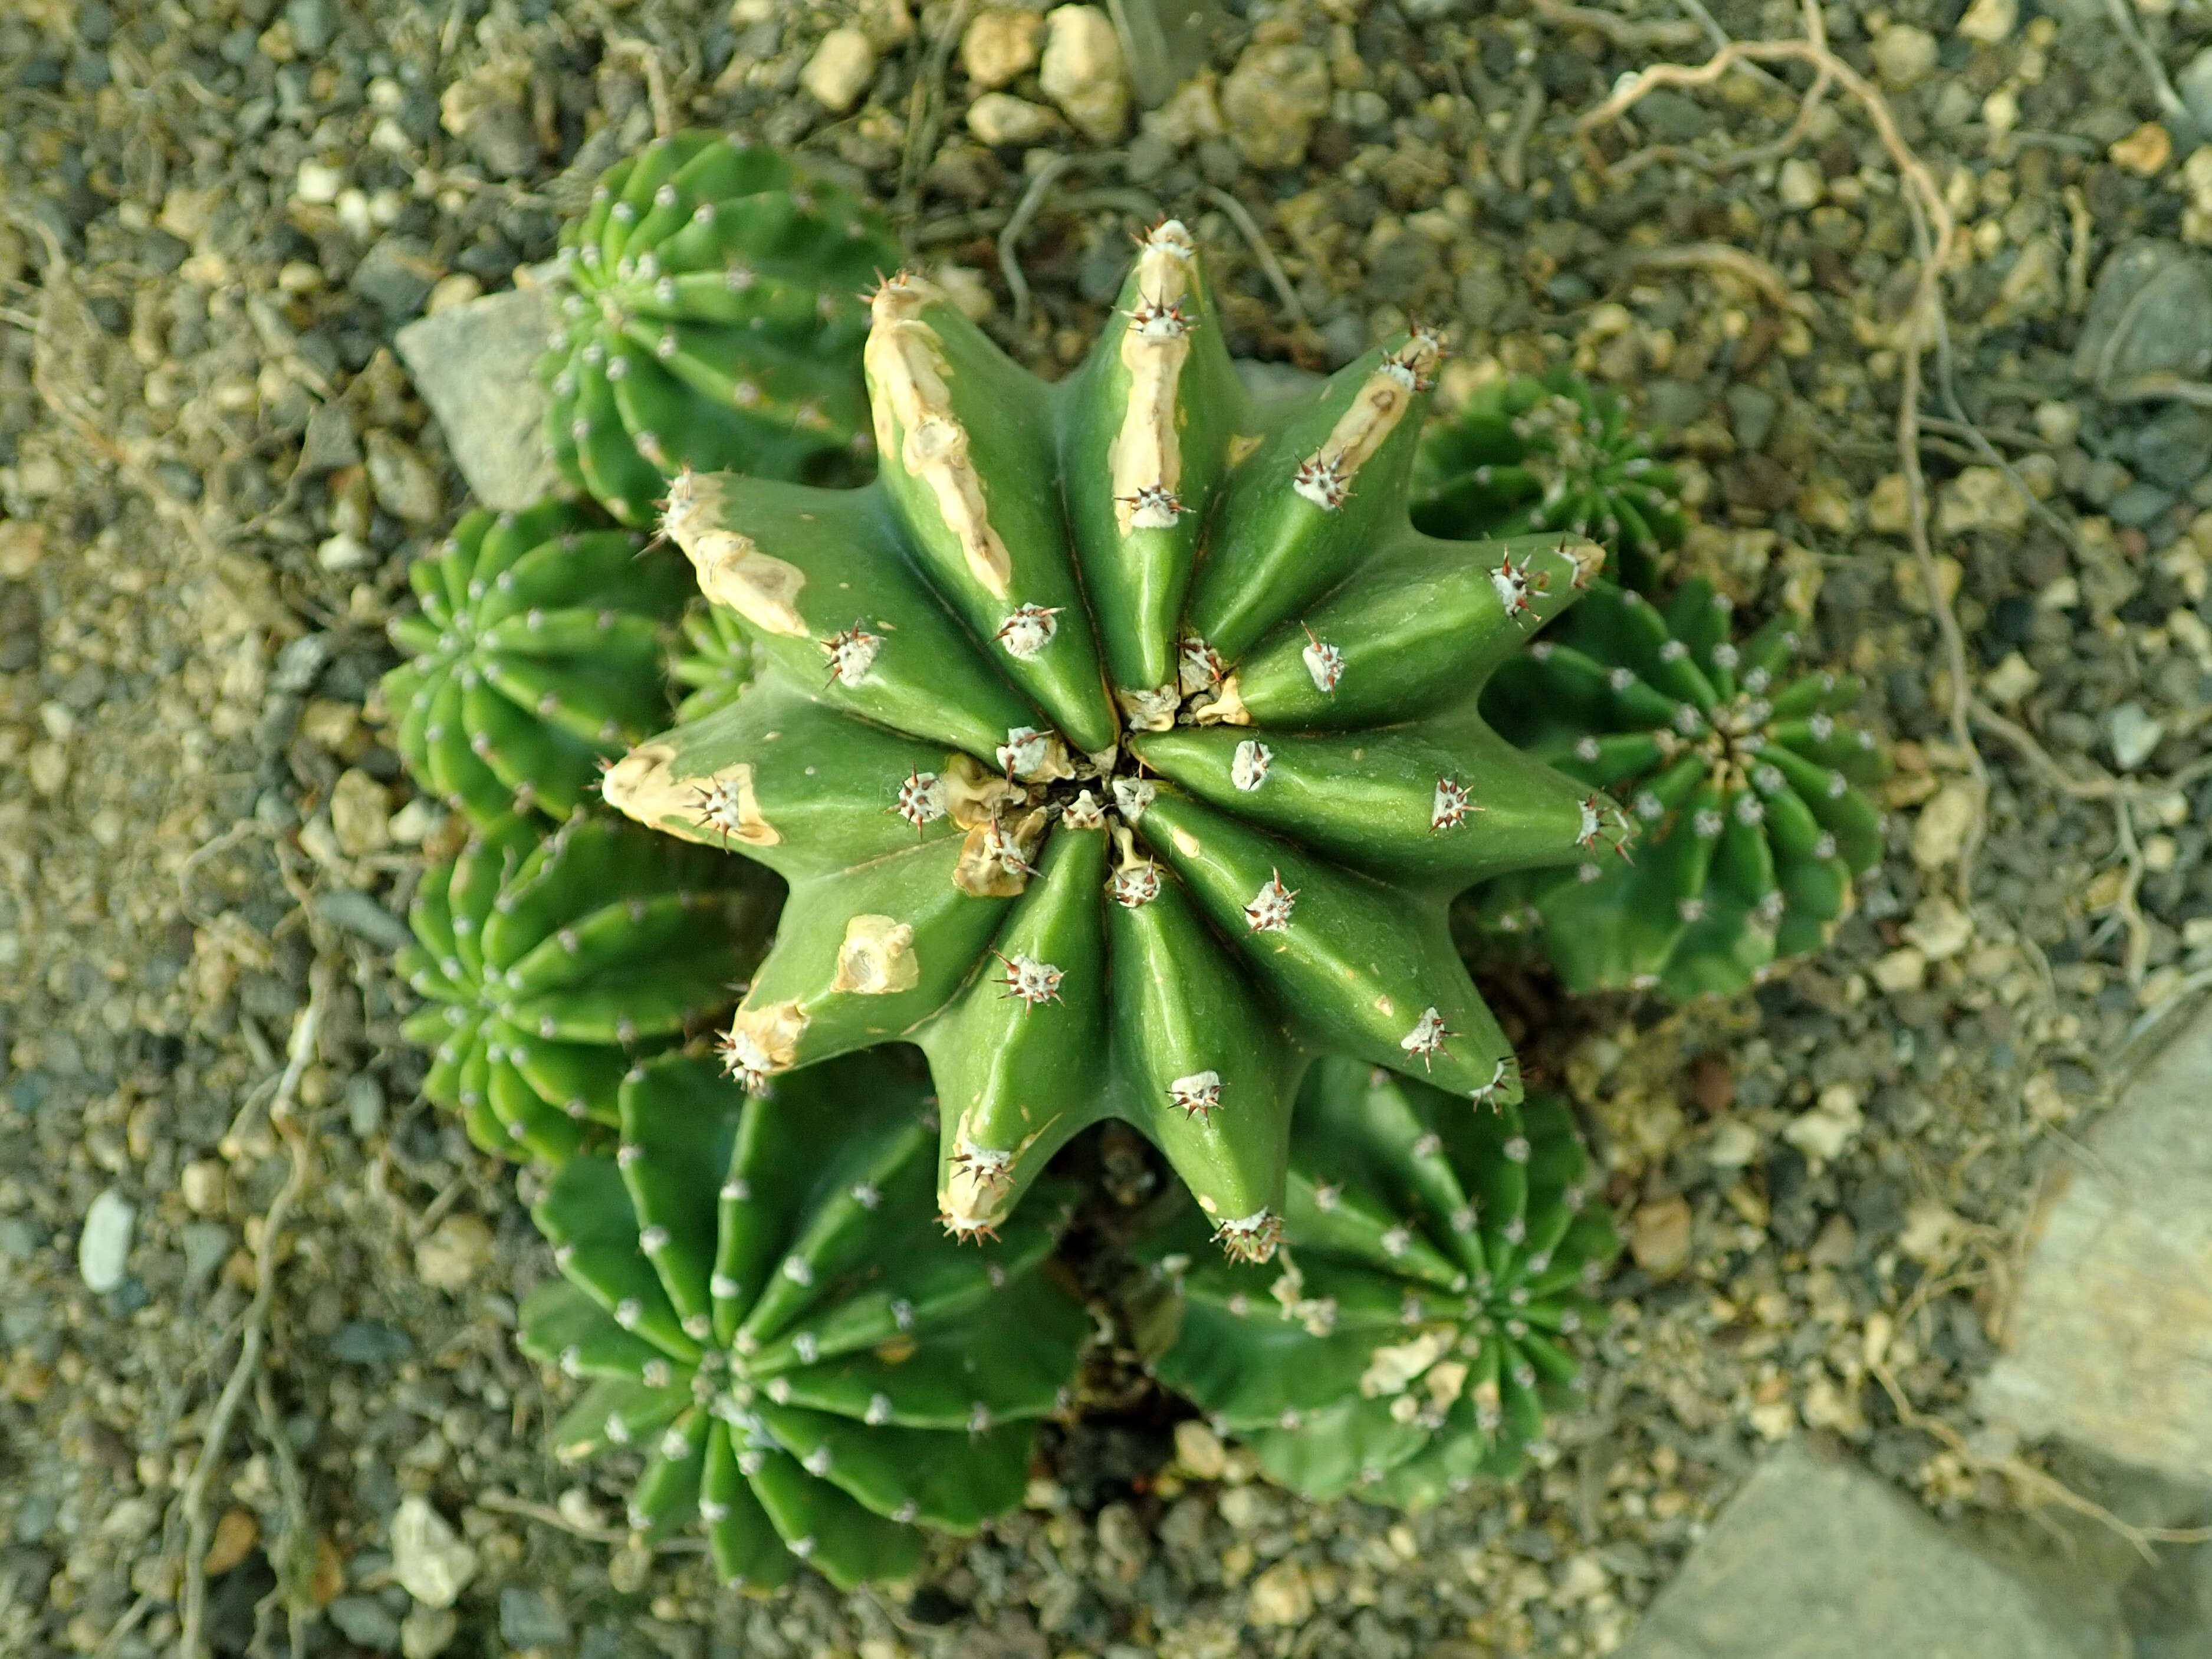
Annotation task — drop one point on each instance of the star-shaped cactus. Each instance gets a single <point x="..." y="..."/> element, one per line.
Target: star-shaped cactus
<point x="1120" y="742"/>
<point x="1437" y="1268"/>
<point x="813" y="1370"/>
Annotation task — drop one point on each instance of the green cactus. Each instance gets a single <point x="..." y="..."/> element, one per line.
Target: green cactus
<point x="1743" y="779"/>
<point x="547" y="966"/>
<point x="716" y="660"/>
<point x="1553" y="453"/>
<point x="713" y="320"/>
<point x="1436" y="1264"/>
<point x="534" y="658"/>
<point x="813" y="1371"/>
<point x="1119" y="741"/>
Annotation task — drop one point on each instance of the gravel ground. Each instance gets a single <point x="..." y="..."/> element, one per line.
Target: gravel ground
<point x="214" y="213"/>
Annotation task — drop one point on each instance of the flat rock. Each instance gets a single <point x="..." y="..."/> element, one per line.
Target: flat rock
<point x="1815" y="1559"/>
<point x="475" y="366"/>
<point x="2109" y="1338"/>
<point x="2150" y="313"/>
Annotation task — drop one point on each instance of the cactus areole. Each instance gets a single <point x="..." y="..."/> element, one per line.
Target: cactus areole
<point x="1119" y="742"/>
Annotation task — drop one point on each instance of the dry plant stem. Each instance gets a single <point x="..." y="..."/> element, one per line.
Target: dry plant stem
<point x="1271" y="268"/>
<point x="299" y="1052"/>
<point x="1747" y="268"/>
<point x="1621" y="31"/>
<point x="2124" y="19"/>
<point x="546" y="1515"/>
<point x="2035" y="1484"/>
<point x="925" y="113"/>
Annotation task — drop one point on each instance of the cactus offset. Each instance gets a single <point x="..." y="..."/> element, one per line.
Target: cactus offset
<point x="1551" y="454"/>
<point x="1744" y="782"/>
<point x="811" y="1370"/>
<point x="536" y="656"/>
<point x="714" y="661"/>
<point x="1436" y="1267"/>
<point x="548" y="966"/>
<point x="712" y="320"/>
<point x="1116" y="729"/>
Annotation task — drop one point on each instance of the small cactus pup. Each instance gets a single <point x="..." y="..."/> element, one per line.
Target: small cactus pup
<point x="1437" y="1267"/>
<point x="1743" y="774"/>
<point x="1118" y="742"/>
<point x="536" y="655"/>
<point x="712" y="661"/>
<point x="546" y="967"/>
<point x="1557" y="453"/>
<point x="711" y="318"/>
<point x="813" y="1371"/>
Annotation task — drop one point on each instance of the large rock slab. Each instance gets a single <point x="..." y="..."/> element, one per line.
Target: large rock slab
<point x="2109" y="1338"/>
<point x="1815" y="1559"/>
<point x="475" y="366"/>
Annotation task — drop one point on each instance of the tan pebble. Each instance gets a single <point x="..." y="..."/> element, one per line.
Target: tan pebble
<point x="204" y="1185"/>
<point x="1659" y="1236"/>
<point x="999" y="117"/>
<point x="1081" y="71"/>
<point x="1988" y="21"/>
<point x="235" y="1535"/>
<point x="840" y="71"/>
<point x="456" y="1252"/>
<point x="1280" y="1595"/>
<point x="359" y="814"/>
<point x="2144" y="151"/>
<point x="1000" y="45"/>
<point x="1199" y="1450"/>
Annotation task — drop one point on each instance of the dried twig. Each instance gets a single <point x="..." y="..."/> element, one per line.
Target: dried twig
<point x="2124" y="19"/>
<point x="1271" y="268"/>
<point x="1621" y="31"/>
<point x="925" y="108"/>
<point x="299" y="1052"/>
<point x="1009" y="264"/>
<point x="1747" y="268"/>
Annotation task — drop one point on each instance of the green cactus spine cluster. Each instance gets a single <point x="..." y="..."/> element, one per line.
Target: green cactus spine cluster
<point x="765" y="1310"/>
<point x="1554" y="453"/>
<point x="1744" y="780"/>
<point x="1119" y="742"/>
<point x="547" y="965"/>
<point x="535" y="657"/>
<point x="1437" y="1267"/>
<point x="713" y="320"/>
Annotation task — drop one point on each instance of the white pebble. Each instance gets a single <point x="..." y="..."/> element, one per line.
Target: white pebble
<point x="104" y="1246"/>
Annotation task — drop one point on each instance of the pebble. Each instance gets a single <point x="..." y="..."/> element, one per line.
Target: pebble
<point x="1903" y="970"/>
<point x="1659" y="1236"/>
<point x="1081" y="71"/>
<point x="104" y="1246"/>
<point x="840" y="71"/>
<point x="527" y="1619"/>
<point x="359" y="814"/>
<point x="2145" y="151"/>
<point x="1000" y="45"/>
<point x="2150" y="312"/>
<point x="1939" y="831"/>
<point x="455" y="1254"/>
<point x="1281" y="1595"/>
<point x="204" y="1185"/>
<point x="1902" y="55"/>
<point x="998" y="118"/>
<point x="404" y="483"/>
<point x="426" y="1632"/>
<point x="2010" y="680"/>
<point x="1940" y="928"/>
<point x="2174" y="448"/>
<point x="1272" y="99"/>
<point x="365" y="1621"/>
<point x="2133" y="735"/>
<point x="2194" y="83"/>
<point x="1199" y="1450"/>
<point x="1800" y="183"/>
<point x="1980" y="498"/>
<point x="1989" y="21"/>
<point x="396" y="276"/>
<point x="1833" y="1123"/>
<point x="428" y="1558"/>
<point x="475" y="366"/>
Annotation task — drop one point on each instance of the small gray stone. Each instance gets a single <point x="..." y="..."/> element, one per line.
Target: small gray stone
<point x="104" y="1246"/>
<point x="426" y="1632"/>
<point x="1815" y="1559"/>
<point x="311" y="25"/>
<point x="475" y="365"/>
<point x="404" y="485"/>
<point x="2176" y="447"/>
<point x="2150" y="313"/>
<point x="1752" y="410"/>
<point x="366" y="1622"/>
<point x="396" y="276"/>
<point x="206" y="1243"/>
<point x="2111" y="1318"/>
<point x="330" y="441"/>
<point x="364" y="1342"/>
<point x="1274" y="383"/>
<point x="357" y="913"/>
<point x="2139" y="505"/>
<point x="527" y="1619"/>
<point x="2134" y="734"/>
